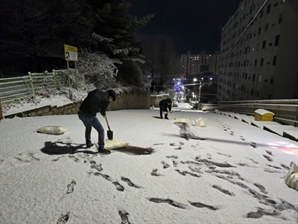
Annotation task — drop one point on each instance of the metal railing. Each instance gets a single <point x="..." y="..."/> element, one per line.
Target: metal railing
<point x="20" y="87"/>
<point x="285" y="111"/>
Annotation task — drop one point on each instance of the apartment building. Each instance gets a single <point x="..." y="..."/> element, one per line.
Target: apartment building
<point x="198" y="63"/>
<point x="259" y="52"/>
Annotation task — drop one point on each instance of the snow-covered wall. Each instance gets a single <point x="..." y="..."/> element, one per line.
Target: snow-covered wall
<point x="131" y="100"/>
<point x="125" y="100"/>
<point x="155" y="99"/>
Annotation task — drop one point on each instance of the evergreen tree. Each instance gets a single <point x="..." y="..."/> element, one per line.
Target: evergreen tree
<point x="37" y="28"/>
<point x="113" y="21"/>
<point x="40" y="28"/>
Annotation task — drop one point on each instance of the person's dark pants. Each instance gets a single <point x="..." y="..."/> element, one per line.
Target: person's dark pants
<point x="161" y="110"/>
<point x="92" y="121"/>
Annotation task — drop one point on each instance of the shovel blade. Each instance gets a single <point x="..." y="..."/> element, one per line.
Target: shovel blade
<point x="110" y="134"/>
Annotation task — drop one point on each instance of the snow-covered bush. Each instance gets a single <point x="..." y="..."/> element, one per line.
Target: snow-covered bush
<point x="97" y="69"/>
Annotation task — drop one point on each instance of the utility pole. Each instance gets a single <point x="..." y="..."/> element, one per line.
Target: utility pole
<point x="200" y="88"/>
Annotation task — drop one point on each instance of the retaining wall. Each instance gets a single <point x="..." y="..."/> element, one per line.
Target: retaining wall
<point x="131" y="100"/>
<point x="154" y="100"/>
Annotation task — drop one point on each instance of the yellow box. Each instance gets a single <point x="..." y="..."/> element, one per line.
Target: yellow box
<point x="263" y="115"/>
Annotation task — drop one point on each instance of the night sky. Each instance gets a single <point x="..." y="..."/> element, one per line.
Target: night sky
<point x="193" y="25"/>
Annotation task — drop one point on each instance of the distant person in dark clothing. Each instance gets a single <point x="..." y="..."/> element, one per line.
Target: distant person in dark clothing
<point x="164" y="105"/>
<point x="96" y="101"/>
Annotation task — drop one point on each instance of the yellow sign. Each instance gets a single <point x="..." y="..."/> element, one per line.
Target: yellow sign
<point x="70" y="53"/>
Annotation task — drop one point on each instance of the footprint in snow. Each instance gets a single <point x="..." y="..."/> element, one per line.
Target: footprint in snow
<point x="253" y="144"/>
<point x="63" y="218"/>
<point x="154" y="173"/>
<point x="223" y="154"/>
<point x="107" y="177"/>
<point x="165" y="165"/>
<point x="261" y="212"/>
<point x="201" y="205"/>
<point x="173" y="157"/>
<point x="25" y="158"/>
<point x="56" y="159"/>
<point x="168" y="201"/>
<point x="119" y="187"/>
<point x="242" y="138"/>
<point x="268" y="158"/>
<point x="124" y="217"/>
<point x="261" y="187"/>
<point x="223" y="190"/>
<point x="96" y="167"/>
<point x="74" y="158"/>
<point x="194" y="168"/>
<point x="184" y="173"/>
<point x="70" y="187"/>
<point x="128" y="181"/>
<point x="175" y="163"/>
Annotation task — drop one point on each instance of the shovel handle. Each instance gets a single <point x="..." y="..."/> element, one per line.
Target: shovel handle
<point x="107" y="122"/>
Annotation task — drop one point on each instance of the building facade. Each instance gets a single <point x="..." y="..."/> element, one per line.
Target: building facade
<point x="198" y="63"/>
<point x="259" y="52"/>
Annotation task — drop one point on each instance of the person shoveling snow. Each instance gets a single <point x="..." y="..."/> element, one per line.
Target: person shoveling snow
<point x="165" y="106"/>
<point x="96" y="101"/>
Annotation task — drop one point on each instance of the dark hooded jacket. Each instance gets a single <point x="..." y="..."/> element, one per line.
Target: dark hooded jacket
<point x="96" y="101"/>
<point x="163" y="104"/>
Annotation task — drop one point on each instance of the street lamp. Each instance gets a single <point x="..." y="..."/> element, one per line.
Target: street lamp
<point x="200" y="87"/>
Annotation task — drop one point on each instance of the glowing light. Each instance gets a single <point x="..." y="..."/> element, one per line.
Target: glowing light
<point x="285" y="147"/>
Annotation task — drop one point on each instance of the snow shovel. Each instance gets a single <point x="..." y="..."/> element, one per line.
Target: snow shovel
<point x="109" y="132"/>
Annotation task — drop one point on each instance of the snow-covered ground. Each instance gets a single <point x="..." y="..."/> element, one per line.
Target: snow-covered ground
<point x="222" y="179"/>
<point x="36" y="102"/>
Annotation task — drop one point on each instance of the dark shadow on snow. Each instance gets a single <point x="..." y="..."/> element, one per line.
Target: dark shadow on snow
<point x="52" y="148"/>
<point x="60" y="148"/>
<point x="171" y="135"/>
<point x="157" y="117"/>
